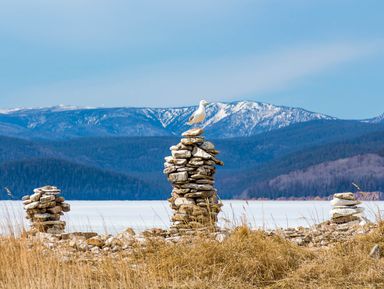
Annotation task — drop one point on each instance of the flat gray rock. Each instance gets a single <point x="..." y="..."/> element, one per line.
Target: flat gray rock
<point x="35" y="197"/>
<point x="44" y="216"/>
<point x="184" y="201"/>
<point x="47" y="198"/>
<point x="207" y="145"/>
<point x="26" y="202"/>
<point x="195" y="163"/>
<point x="199" y="153"/>
<point x="178" y="177"/>
<point x="169" y="169"/>
<point x="342" y="212"/>
<point x="198" y="187"/>
<point x="31" y="206"/>
<point x="181" y="154"/>
<point x="343" y="202"/>
<point x="193" y="132"/>
<point x="345" y="196"/>
<point x="192" y="140"/>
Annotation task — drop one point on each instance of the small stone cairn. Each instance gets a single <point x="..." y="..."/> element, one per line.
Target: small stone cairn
<point x="345" y="208"/>
<point x="44" y="209"/>
<point x="191" y="170"/>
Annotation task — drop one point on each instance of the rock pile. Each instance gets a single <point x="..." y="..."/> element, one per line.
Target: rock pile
<point x="191" y="170"/>
<point x="325" y="234"/>
<point x="91" y="244"/>
<point x="44" y="209"/>
<point x="345" y="208"/>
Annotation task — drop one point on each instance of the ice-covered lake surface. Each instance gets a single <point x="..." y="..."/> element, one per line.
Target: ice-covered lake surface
<point x="115" y="216"/>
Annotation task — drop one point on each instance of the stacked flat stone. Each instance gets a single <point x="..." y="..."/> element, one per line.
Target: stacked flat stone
<point x="191" y="170"/>
<point x="345" y="208"/>
<point x="44" y="209"/>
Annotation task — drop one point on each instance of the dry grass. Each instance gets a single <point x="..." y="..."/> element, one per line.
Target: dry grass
<point x="245" y="260"/>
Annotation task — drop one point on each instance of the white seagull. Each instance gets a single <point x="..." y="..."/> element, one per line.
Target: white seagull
<point x="199" y="114"/>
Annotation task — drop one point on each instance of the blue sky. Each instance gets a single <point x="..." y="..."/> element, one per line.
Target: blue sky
<point x="325" y="56"/>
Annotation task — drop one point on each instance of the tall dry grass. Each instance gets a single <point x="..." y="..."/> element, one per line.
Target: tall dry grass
<point x="245" y="260"/>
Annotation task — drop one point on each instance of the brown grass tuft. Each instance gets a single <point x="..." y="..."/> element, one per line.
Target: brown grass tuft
<point x="347" y="265"/>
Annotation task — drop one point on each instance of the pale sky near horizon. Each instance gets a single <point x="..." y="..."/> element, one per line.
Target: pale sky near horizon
<point x="322" y="55"/>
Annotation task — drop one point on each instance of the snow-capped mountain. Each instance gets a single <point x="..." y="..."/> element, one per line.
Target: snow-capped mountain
<point x="379" y="119"/>
<point x="223" y="120"/>
<point x="234" y="119"/>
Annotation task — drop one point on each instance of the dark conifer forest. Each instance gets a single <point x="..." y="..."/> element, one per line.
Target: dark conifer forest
<point x="305" y="160"/>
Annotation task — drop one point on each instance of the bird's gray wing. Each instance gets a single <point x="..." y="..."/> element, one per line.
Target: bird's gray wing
<point x="192" y="117"/>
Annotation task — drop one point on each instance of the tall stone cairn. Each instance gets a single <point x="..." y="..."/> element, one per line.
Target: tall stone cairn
<point x="345" y="208"/>
<point x="44" y="209"/>
<point x="191" y="170"/>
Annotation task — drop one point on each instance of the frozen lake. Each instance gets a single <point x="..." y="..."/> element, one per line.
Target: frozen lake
<point x="115" y="216"/>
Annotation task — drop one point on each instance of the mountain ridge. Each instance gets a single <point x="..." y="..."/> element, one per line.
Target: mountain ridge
<point x="378" y="119"/>
<point x="224" y="120"/>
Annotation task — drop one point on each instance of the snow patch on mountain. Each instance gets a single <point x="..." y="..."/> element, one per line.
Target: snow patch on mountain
<point x="11" y="110"/>
<point x="56" y="108"/>
<point x="378" y="119"/>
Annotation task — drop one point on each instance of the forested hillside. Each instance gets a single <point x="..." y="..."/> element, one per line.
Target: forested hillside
<point x="366" y="170"/>
<point x="266" y="165"/>
<point x="77" y="181"/>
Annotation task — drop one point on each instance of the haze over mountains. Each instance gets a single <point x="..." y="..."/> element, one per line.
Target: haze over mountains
<point x="117" y="153"/>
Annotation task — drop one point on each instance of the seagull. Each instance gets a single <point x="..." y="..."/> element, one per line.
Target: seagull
<point x="199" y="115"/>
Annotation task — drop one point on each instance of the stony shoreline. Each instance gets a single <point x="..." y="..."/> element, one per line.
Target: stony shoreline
<point x="92" y="245"/>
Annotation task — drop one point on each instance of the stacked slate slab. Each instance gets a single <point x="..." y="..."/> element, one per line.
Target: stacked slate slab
<point x="191" y="170"/>
<point x="44" y="209"/>
<point x="345" y="208"/>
